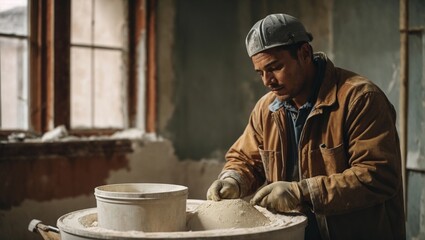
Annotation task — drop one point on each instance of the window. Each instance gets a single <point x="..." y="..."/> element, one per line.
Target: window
<point x="74" y="63"/>
<point x="99" y="66"/>
<point x="13" y="64"/>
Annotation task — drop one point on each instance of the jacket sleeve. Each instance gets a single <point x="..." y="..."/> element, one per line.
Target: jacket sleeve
<point x="243" y="161"/>
<point x="373" y="153"/>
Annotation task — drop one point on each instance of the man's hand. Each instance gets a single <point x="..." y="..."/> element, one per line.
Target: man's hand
<point x="223" y="188"/>
<point x="279" y="197"/>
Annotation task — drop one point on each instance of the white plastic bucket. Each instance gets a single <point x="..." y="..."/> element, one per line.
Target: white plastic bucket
<point x="147" y="207"/>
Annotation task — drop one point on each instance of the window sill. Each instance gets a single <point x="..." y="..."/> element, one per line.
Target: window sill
<point x="69" y="148"/>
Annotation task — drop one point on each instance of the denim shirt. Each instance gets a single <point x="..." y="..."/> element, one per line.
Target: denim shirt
<point x="296" y="118"/>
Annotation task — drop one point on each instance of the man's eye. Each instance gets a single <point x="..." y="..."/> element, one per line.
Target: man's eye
<point x="276" y="68"/>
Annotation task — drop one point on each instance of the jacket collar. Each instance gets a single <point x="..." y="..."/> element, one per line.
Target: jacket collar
<point x="328" y="90"/>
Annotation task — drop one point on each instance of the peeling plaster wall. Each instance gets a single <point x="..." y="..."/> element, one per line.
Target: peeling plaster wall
<point x="71" y="181"/>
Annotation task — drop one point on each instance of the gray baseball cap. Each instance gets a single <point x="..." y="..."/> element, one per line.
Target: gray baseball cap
<point x="275" y="30"/>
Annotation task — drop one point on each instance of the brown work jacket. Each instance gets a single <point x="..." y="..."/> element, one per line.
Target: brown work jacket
<point x="349" y="157"/>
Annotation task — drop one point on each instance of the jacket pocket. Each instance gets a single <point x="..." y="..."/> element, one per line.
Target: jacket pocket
<point x="329" y="160"/>
<point x="271" y="164"/>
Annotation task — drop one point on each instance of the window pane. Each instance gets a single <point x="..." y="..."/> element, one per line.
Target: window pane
<point x="109" y="104"/>
<point x="81" y="88"/>
<point x="110" y="19"/>
<point x="13" y="17"/>
<point x="97" y="98"/>
<point x="81" y="15"/>
<point x="13" y="84"/>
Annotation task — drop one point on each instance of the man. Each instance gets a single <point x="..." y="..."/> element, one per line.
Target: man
<point x="323" y="141"/>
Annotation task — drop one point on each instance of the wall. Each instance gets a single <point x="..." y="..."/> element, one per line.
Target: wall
<point x="211" y="75"/>
<point x="416" y="123"/>
<point x="207" y="85"/>
<point x="48" y="186"/>
<point x="368" y="42"/>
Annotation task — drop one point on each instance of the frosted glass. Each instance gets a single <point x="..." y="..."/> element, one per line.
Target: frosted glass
<point x="81" y="88"/>
<point x="81" y="26"/>
<point x="110" y="19"/>
<point x="14" y="17"/>
<point x="109" y="88"/>
<point x="14" y="83"/>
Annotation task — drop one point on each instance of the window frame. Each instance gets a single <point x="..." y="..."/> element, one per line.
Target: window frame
<point x="50" y="93"/>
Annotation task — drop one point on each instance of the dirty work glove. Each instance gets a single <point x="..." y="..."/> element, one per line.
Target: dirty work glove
<point x="279" y="197"/>
<point x="223" y="188"/>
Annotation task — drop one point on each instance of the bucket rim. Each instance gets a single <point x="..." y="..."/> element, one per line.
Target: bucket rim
<point x="140" y="190"/>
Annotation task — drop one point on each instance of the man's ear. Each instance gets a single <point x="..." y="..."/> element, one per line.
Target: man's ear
<point x="305" y="52"/>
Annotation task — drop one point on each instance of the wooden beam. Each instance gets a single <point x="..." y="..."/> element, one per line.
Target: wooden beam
<point x="35" y="107"/>
<point x="41" y="52"/>
<point x="151" y="88"/>
<point x="137" y="26"/>
<point x="61" y="63"/>
<point x="48" y="69"/>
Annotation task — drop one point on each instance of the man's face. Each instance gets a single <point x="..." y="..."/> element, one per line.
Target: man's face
<point x="282" y="74"/>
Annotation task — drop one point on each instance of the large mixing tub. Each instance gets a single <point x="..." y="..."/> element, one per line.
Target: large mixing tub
<point x="82" y="224"/>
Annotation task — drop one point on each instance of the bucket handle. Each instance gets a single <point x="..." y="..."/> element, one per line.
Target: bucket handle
<point x="46" y="231"/>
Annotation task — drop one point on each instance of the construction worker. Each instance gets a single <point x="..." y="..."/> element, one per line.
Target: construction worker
<point x="323" y="141"/>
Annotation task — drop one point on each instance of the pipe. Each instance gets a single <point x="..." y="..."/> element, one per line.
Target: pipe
<point x="404" y="90"/>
